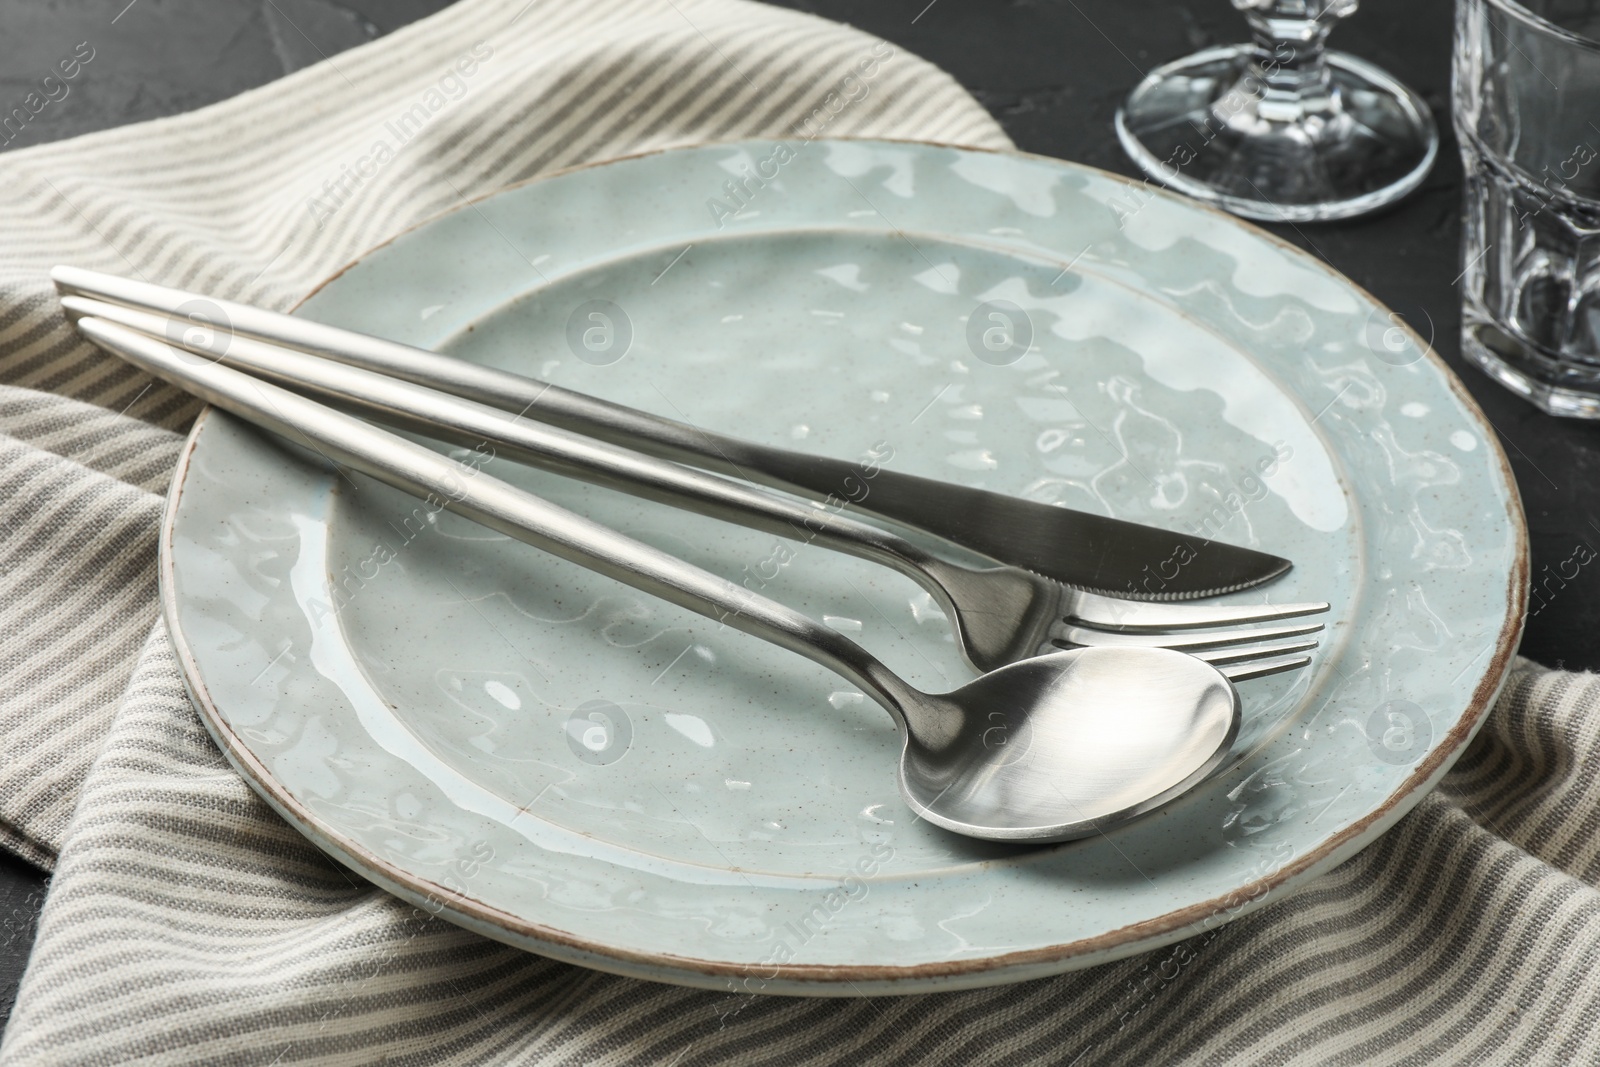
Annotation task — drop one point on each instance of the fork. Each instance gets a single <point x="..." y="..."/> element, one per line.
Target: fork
<point x="1000" y="614"/>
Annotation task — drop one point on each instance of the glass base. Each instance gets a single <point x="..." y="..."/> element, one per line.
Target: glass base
<point x="1200" y="126"/>
<point x="1556" y="387"/>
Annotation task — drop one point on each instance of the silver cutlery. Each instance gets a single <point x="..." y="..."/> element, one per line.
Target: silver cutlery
<point x="1085" y="551"/>
<point x="1045" y="749"/>
<point x="999" y="614"/>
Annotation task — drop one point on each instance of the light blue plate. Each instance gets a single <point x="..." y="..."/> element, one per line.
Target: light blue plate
<point x="557" y="761"/>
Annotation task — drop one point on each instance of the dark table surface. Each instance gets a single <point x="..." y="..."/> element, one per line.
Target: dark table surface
<point x="1052" y="72"/>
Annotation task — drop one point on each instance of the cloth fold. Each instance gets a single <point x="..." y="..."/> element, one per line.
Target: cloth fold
<point x="81" y="495"/>
<point x="186" y="923"/>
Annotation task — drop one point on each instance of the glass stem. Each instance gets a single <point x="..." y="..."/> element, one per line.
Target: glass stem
<point x="1290" y="65"/>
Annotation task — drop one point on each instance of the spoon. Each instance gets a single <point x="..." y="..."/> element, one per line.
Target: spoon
<point x="1041" y="750"/>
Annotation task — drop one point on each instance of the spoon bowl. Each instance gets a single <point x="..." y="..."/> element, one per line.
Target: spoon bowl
<point x="1060" y="746"/>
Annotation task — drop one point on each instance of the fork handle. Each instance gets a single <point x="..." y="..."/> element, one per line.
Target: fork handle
<point x="122" y="299"/>
<point x="447" y="417"/>
<point x="453" y="486"/>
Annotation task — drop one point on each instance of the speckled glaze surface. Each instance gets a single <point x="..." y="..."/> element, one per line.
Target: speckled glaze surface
<point x="562" y="763"/>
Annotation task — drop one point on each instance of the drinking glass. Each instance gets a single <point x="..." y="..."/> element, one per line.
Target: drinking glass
<point x="1527" y="104"/>
<point x="1282" y="128"/>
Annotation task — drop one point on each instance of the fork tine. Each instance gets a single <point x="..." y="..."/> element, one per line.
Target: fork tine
<point x="1219" y="657"/>
<point x="1243" y="672"/>
<point x="1189" y="642"/>
<point x="1115" y="615"/>
<point x="1227" y="657"/>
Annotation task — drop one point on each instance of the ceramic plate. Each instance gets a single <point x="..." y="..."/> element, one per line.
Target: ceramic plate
<point x="557" y="761"/>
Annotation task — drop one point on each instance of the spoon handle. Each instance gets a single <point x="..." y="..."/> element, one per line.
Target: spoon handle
<point x="456" y="487"/>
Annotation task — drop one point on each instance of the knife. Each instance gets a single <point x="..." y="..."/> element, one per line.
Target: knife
<point x="1083" y="550"/>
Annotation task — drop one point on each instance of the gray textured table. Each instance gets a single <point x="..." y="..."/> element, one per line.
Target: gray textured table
<point x="1052" y="71"/>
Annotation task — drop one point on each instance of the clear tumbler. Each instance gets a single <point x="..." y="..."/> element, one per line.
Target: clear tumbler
<point x="1527" y="111"/>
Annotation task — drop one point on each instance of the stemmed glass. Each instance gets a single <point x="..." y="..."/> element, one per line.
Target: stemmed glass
<point x="1281" y="128"/>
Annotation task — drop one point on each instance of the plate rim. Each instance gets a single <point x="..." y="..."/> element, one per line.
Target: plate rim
<point x="809" y="978"/>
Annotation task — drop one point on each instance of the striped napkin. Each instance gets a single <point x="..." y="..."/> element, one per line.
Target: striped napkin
<point x="187" y="924"/>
